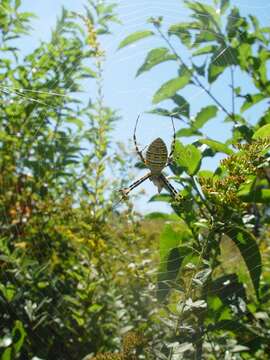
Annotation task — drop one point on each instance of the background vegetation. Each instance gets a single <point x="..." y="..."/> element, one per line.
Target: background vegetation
<point x="83" y="279"/>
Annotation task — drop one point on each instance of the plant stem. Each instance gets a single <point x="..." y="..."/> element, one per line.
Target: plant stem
<point x="233" y="96"/>
<point x="196" y="79"/>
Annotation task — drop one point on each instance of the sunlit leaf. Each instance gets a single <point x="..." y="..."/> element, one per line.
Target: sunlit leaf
<point x="160" y="197"/>
<point x="262" y="132"/>
<point x="188" y="157"/>
<point x="154" y="57"/>
<point x="138" y="35"/>
<point x="170" y="88"/>
<point x="183" y="105"/>
<point x="251" y="100"/>
<point x="250" y="252"/>
<point x="186" y="132"/>
<point x="217" y="146"/>
<point x="205" y="50"/>
<point x="224" y="4"/>
<point x="204" y="115"/>
<point x="171" y="256"/>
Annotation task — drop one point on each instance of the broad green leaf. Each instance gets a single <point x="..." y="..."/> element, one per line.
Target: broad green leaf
<point x="206" y="14"/>
<point x="171" y="257"/>
<point x="76" y="121"/>
<point x="261" y="196"/>
<point x="205" y="174"/>
<point x="188" y="157"/>
<point x="186" y="132"/>
<point x="244" y="54"/>
<point x="154" y="57"/>
<point x="160" y="197"/>
<point x="224" y="4"/>
<point x="170" y="88"/>
<point x="232" y="23"/>
<point x="250" y="252"/>
<point x="205" y="50"/>
<point x="214" y="71"/>
<point x="182" y="31"/>
<point x="220" y="60"/>
<point x="175" y="29"/>
<point x="217" y="146"/>
<point x="205" y="36"/>
<point x="138" y="35"/>
<point x="7" y="354"/>
<point x="204" y="115"/>
<point x="164" y="112"/>
<point x="183" y="105"/>
<point x="262" y="132"/>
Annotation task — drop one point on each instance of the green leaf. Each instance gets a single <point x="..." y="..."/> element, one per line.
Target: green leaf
<point x="205" y="50"/>
<point x="138" y="35"/>
<point x="220" y="60"/>
<point x="204" y="115"/>
<point x="206" y="14"/>
<point x="188" y="157"/>
<point x="160" y="197"/>
<point x="164" y="112"/>
<point x="170" y="88"/>
<point x="224" y="4"/>
<point x="206" y="174"/>
<point x="182" y="32"/>
<point x="262" y="132"/>
<point x="186" y="132"/>
<point x="250" y="252"/>
<point x="261" y="196"/>
<point x="171" y="257"/>
<point x="6" y="354"/>
<point x="154" y="57"/>
<point x="18" y="334"/>
<point x="183" y="105"/>
<point x="217" y="146"/>
<point x="232" y="23"/>
<point x="244" y="54"/>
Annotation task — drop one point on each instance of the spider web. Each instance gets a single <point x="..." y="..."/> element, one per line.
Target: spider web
<point x="134" y="15"/>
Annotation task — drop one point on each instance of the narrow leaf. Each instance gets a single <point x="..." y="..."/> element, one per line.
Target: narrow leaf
<point x="186" y="132"/>
<point x="205" y="50"/>
<point x="170" y="88"/>
<point x="154" y="57"/>
<point x="130" y="39"/>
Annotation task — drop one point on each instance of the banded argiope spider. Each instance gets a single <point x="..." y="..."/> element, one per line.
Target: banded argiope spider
<point x="156" y="160"/>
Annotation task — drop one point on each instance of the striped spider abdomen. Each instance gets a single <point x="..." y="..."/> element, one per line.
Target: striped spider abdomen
<point x="156" y="156"/>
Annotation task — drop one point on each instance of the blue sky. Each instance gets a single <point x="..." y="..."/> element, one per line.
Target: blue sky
<point x="131" y="95"/>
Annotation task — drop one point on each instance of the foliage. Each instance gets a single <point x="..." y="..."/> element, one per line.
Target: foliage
<point x="67" y="287"/>
<point x="214" y="268"/>
<point x="80" y="280"/>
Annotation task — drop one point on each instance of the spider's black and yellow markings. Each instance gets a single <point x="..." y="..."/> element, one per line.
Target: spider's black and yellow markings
<point x="156" y="160"/>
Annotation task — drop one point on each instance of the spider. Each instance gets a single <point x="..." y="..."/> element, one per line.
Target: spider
<point x="156" y="160"/>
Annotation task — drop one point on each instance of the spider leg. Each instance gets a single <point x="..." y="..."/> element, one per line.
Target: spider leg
<point x="135" y="142"/>
<point x="168" y="185"/>
<point x="136" y="183"/>
<point x="170" y="157"/>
